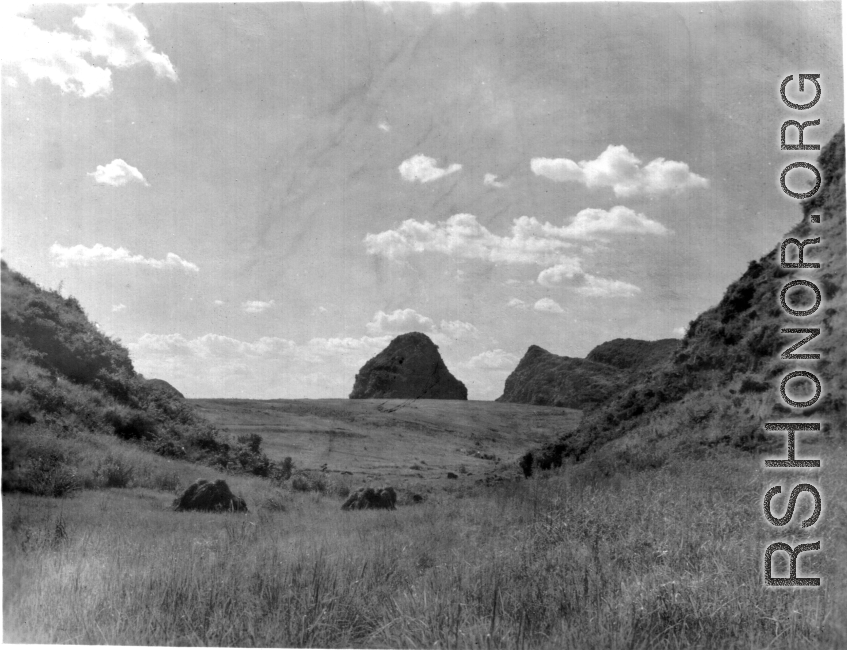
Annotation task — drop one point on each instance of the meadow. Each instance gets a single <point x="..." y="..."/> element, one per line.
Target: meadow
<point x="660" y="557"/>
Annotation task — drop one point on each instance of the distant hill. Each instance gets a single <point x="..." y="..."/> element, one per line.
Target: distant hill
<point x="544" y="378"/>
<point x="409" y="368"/>
<point x="629" y="354"/>
<point x="722" y="383"/>
<point x="62" y="377"/>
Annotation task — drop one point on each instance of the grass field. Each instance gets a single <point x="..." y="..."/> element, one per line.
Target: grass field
<point x="663" y="557"/>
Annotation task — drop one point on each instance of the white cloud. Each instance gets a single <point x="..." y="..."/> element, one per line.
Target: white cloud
<point x="491" y="181"/>
<point x="492" y="360"/>
<point x="424" y="169"/>
<point x="605" y="288"/>
<point x="118" y="308"/>
<point x="218" y="303"/>
<point x="80" y="255"/>
<point x="585" y="284"/>
<point x="384" y="126"/>
<point x="400" y="320"/>
<point x="621" y="170"/>
<point x="530" y="241"/>
<point x="113" y="37"/>
<point x="680" y="331"/>
<point x="456" y="329"/>
<point x="517" y="303"/>
<point x="548" y="305"/>
<point x="118" y="173"/>
<point x="256" y="306"/>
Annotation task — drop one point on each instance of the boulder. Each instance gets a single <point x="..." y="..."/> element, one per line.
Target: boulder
<point x="368" y="498"/>
<point x="211" y="497"/>
<point x="409" y="368"/>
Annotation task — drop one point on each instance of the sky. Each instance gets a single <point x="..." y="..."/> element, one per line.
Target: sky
<point x="256" y="198"/>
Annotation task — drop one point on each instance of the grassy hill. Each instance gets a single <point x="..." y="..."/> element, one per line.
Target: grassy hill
<point x="722" y="383"/>
<point x="65" y="384"/>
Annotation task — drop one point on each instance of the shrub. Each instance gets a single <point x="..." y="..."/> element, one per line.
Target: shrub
<point x="114" y="472"/>
<point x="307" y="483"/>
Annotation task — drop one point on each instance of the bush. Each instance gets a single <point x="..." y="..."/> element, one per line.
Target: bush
<point x="113" y="472"/>
<point x="307" y="483"/>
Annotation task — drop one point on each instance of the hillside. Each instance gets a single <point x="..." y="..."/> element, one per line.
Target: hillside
<point x="548" y="379"/>
<point x="633" y="354"/>
<point x="544" y="378"/>
<point x="722" y="383"/>
<point x="64" y="379"/>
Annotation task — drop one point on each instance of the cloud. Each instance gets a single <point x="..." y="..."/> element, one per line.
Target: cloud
<point x="384" y="126"/>
<point x="80" y="255"/>
<point x="118" y="308"/>
<point x="680" y="332"/>
<point x="604" y="288"/>
<point x="548" y="305"/>
<point x="492" y="360"/>
<point x="530" y="240"/>
<point x="491" y="181"/>
<point x="585" y="284"/>
<point x="517" y="303"/>
<point x="456" y="329"/>
<point x="218" y="303"/>
<point x="619" y="169"/>
<point x="113" y="37"/>
<point x="256" y="306"/>
<point x="400" y="320"/>
<point x="424" y="169"/>
<point x="118" y="173"/>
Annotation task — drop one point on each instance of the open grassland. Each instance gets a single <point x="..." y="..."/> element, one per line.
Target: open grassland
<point x="662" y="557"/>
<point x="401" y="442"/>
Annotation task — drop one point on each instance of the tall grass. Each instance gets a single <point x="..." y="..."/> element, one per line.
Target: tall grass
<point x="660" y="558"/>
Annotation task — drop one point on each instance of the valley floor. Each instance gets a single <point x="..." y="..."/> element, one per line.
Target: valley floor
<point x="659" y="558"/>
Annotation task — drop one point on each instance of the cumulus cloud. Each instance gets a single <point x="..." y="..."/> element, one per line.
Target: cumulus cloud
<point x="400" y="320"/>
<point x="424" y="169"/>
<point x="109" y="37"/>
<point x="457" y="329"/>
<point x="517" y="303"/>
<point x="118" y="173"/>
<point x="621" y="170"/>
<point x="256" y="306"/>
<point x="530" y="240"/>
<point x="118" y="308"/>
<point x="492" y="360"/>
<point x="680" y="331"/>
<point x="491" y="181"/>
<point x="549" y="306"/>
<point x="571" y="274"/>
<point x="80" y="255"/>
<point x="218" y="303"/>
<point x="384" y="126"/>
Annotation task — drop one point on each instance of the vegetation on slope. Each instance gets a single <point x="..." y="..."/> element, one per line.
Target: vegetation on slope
<point x="723" y="381"/>
<point x="62" y="378"/>
<point x="543" y="378"/>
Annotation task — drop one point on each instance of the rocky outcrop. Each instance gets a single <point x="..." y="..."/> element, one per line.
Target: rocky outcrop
<point x="543" y="378"/>
<point x="633" y="354"/>
<point x="211" y="497"/>
<point x="383" y="498"/>
<point x="409" y="368"/>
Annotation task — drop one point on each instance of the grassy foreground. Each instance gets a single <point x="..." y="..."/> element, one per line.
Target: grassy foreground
<point x="663" y="557"/>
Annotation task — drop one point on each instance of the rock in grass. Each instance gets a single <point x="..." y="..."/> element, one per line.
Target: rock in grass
<point x="384" y="498"/>
<point x="210" y="497"/>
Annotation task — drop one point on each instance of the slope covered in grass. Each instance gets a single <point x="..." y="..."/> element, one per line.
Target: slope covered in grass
<point x="722" y="383"/>
<point x="63" y="379"/>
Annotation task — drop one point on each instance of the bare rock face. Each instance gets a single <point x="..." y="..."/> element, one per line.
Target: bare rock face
<point x="409" y="368"/>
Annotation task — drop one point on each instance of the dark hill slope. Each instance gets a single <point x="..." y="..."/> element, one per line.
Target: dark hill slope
<point x="546" y="379"/>
<point x="722" y="383"/>
<point x="62" y="377"/>
<point x="633" y="354"/>
<point x="409" y="368"/>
